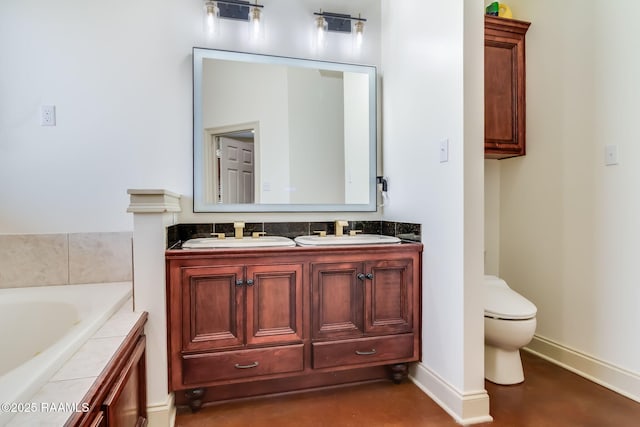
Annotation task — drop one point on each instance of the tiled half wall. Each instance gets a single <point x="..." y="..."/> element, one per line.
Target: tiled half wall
<point x="61" y="259"/>
<point x="176" y="234"/>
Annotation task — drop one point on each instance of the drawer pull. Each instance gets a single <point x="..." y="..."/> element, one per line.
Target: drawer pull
<point x="361" y="276"/>
<point x="366" y="353"/>
<point x="369" y="276"/>
<point x="249" y="282"/>
<point x="253" y="365"/>
<point x="239" y="282"/>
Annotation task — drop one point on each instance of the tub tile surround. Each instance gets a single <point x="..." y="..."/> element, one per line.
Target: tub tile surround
<point x="89" y="360"/>
<point x="74" y="379"/>
<point x="179" y="233"/>
<point x="34" y="260"/>
<point x="99" y="257"/>
<point x="61" y="259"/>
<point x="60" y="391"/>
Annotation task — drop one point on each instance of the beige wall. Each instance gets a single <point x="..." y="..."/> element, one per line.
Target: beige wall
<point x="569" y="234"/>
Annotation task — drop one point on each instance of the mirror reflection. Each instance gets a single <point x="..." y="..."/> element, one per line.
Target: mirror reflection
<point x="282" y="134"/>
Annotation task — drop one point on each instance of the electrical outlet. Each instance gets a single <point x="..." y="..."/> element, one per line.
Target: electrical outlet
<point x="48" y="115"/>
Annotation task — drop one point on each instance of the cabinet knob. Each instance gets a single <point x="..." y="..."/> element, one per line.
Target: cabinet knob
<point x="366" y="353"/>
<point x="249" y="282"/>
<point x="239" y="282"/>
<point x="369" y="276"/>
<point x="361" y="276"/>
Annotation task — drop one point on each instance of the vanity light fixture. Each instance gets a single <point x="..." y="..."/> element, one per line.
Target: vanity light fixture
<point x="358" y="32"/>
<point x="211" y="17"/>
<point x="321" y="27"/>
<point x="255" y="20"/>
<point x="233" y="9"/>
<point x="340" y="23"/>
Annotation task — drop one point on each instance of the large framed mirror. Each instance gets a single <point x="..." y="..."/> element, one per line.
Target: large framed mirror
<point x="278" y="134"/>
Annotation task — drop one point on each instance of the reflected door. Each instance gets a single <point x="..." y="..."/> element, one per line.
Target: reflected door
<point x="236" y="170"/>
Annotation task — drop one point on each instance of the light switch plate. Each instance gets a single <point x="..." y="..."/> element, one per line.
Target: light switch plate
<point x="444" y="151"/>
<point x="611" y="155"/>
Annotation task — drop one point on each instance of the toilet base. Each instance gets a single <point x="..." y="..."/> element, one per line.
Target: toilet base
<point x="502" y="366"/>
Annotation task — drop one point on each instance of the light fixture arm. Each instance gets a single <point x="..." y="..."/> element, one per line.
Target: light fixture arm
<point x="340" y="16"/>
<point x="240" y="3"/>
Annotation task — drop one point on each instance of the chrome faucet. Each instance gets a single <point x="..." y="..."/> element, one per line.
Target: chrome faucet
<point x="339" y="227"/>
<point x="239" y="227"/>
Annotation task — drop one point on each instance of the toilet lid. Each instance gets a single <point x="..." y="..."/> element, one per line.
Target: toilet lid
<point x="505" y="303"/>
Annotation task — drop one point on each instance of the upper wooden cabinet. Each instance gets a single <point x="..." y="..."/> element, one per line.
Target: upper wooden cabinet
<point x="504" y="87"/>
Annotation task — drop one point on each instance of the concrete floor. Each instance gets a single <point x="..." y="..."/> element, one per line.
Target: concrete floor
<point x="550" y="396"/>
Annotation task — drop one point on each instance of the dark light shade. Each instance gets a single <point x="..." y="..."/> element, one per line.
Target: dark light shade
<point x="236" y="9"/>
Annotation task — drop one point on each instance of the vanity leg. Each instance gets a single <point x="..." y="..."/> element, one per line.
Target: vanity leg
<point x="195" y="398"/>
<point x="399" y="372"/>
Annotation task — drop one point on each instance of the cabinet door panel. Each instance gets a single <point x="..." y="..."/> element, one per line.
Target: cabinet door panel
<point x="274" y="304"/>
<point x="212" y="308"/>
<point x="388" y="303"/>
<point x="125" y="405"/>
<point x="337" y="300"/>
<point x="499" y="100"/>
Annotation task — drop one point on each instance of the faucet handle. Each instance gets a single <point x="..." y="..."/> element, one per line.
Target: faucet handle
<point x="257" y="234"/>
<point x="354" y="232"/>
<point x="322" y="233"/>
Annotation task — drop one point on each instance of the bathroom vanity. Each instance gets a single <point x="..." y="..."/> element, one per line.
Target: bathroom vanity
<point x="249" y="322"/>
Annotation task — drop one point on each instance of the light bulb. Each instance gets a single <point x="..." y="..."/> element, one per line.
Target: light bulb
<point x="321" y="30"/>
<point x="211" y="15"/>
<point x="255" y="21"/>
<point x="359" y="33"/>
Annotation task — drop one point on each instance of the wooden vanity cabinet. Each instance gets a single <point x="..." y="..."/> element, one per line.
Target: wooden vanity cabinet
<point x="270" y="320"/>
<point x="118" y="397"/>
<point x="504" y="87"/>
<point x="228" y="313"/>
<point x="362" y="312"/>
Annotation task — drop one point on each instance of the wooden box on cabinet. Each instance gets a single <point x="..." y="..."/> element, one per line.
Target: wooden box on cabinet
<point x="504" y="87"/>
<point x="252" y="322"/>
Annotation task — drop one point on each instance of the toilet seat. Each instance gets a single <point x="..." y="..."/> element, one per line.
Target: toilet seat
<point x="502" y="302"/>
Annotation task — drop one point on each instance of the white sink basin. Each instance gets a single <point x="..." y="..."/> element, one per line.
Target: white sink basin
<point x="244" y="243"/>
<point x="332" y="240"/>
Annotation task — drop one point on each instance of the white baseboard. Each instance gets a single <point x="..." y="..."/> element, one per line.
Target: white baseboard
<point x="607" y="375"/>
<point x="162" y="414"/>
<point x="465" y="408"/>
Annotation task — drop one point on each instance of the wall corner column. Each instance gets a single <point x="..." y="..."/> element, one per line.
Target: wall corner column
<point x="153" y="211"/>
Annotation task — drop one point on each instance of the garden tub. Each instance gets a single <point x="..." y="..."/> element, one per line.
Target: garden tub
<point x="42" y="327"/>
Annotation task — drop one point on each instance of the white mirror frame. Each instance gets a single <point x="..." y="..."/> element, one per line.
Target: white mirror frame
<point x="202" y="203"/>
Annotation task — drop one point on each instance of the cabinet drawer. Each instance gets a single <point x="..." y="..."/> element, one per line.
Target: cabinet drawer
<point x="203" y="368"/>
<point x="362" y="350"/>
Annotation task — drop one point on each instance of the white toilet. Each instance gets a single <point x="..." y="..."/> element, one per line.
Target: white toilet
<point x="509" y="323"/>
